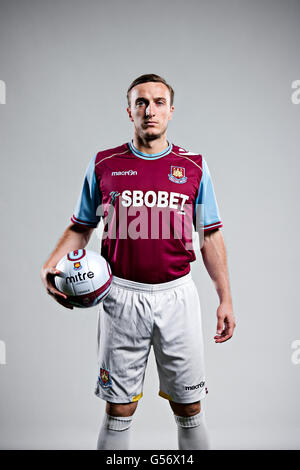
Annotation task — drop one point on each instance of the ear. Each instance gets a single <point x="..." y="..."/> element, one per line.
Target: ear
<point x="171" y="112"/>
<point x="129" y="113"/>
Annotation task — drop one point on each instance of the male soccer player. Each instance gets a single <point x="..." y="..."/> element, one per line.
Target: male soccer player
<point x="149" y="192"/>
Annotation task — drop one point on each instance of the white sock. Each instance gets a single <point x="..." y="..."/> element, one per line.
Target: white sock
<point x="192" y="432"/>
<point x="114" y="433"/>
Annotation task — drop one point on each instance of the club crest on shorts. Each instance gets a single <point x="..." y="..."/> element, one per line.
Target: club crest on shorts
<point x="104" y="378"/>
<point x="177" y="174"/>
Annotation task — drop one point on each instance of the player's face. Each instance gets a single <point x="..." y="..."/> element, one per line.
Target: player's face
<point x="150" y="109"/>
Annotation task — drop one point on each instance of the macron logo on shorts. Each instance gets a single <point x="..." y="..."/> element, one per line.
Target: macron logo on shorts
<point x="193" y="387"/>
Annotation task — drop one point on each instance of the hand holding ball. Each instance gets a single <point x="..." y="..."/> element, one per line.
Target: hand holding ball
<point x="85" y="278"/>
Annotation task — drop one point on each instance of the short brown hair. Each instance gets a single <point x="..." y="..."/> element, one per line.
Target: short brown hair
<point x="150" y="77"/>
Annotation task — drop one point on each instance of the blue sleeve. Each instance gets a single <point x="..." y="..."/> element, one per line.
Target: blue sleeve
<point x="89" y="200"/>
<point x="206" y="212"/>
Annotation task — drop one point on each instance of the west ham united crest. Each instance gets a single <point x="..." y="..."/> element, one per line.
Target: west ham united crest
<point x="177" y="174"/>
<point x="104" y="378"/>
<point x="77" y="265"/>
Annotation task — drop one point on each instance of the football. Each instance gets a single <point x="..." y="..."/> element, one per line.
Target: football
<point x="85" y="278"/>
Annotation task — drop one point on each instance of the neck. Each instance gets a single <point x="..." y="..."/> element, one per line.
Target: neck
<point x="150" y="146"/>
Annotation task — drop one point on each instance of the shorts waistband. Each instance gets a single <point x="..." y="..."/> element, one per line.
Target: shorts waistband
<point x="140" y="286"/>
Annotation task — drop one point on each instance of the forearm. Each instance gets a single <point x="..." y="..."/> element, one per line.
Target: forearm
<point x="215" y="260"/>
<point x="73" y="238"/>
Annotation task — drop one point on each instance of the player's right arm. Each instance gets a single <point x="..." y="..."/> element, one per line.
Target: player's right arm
<point x="74" y="237"/>
<point x="84" y="220"/>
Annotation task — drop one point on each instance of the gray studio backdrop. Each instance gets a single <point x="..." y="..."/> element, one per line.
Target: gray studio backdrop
<point x="64" y="70"/>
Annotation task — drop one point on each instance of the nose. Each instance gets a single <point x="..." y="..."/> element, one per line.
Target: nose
<point x="150" y="110"/>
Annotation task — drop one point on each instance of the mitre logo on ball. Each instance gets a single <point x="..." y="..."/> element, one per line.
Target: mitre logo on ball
<point x="85" y="277"/>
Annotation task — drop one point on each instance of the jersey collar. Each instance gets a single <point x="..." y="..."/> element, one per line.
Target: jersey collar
<point x="149" y="156"/>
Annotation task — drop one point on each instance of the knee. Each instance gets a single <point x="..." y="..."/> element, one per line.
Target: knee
<point x="185" y="409"/>
<point x="120" y="409"/>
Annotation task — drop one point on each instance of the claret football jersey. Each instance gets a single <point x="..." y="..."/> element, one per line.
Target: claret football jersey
<point x="150" y="205"/>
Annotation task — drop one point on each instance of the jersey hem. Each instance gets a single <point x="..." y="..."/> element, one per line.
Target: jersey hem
<point x="213" y="226"/>
<point x="82" y="222"/>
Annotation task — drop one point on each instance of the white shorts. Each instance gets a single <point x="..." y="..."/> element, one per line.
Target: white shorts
<point x="134" y="316"/>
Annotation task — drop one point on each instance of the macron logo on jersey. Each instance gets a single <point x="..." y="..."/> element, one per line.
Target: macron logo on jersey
<point x="127" y="173"/>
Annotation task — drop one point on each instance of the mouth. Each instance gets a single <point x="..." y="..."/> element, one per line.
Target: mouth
<point x="150" y="123"/>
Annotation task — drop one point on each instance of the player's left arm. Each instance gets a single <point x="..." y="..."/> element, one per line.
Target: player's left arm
<point x="215" y="260"/>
